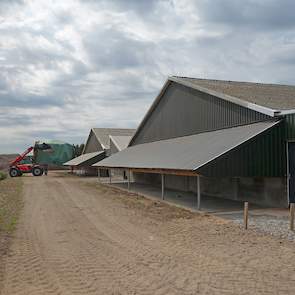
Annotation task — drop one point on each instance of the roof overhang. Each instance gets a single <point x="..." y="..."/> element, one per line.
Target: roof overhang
<point x="184" y="154"/>
<point x="86" y="159"/>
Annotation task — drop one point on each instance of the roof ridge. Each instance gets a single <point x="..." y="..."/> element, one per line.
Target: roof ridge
<point x="234" y="81"/>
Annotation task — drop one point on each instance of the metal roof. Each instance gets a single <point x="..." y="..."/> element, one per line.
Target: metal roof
<point x="187" y="152"/>
<point x="85" y="158"/>
<point x="102" y="134"/>
<point x="121" y="142"/>
<point x="272" y="96"/>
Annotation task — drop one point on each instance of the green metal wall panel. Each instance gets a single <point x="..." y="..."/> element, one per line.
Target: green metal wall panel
<point x="263" y="156"/>
<point x="290" y="127"/>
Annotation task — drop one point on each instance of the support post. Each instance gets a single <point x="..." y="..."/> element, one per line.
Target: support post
<point x="246" y="214"/>
<point x="292" y="211"/>
<point x="129" y="179"/>
<point x="163" y="186"/>
<point x="98" y="175"/>
<point x="198" y="193"/>
<point x="110" y="175"/>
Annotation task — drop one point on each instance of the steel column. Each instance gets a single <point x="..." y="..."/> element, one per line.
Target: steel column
<point x="129" y="179"/>
<point x="163" y="186"/>
<point x="198" y="193"/>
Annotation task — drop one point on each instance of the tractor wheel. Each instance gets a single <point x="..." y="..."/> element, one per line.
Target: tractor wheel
<point x="37" y="171"/>
<point x="13" y="172"/>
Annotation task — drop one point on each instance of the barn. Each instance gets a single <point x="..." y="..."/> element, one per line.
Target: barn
<point x="97" y="147"/>
<point x="119" y="143"/>
<point x="221" y="139"/>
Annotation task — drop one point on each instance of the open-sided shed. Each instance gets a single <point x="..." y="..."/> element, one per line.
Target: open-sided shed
<point x="224" y="139"/>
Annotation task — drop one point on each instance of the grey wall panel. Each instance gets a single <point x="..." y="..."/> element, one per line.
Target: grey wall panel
<point x="92" y="144"/>
<point x="184" y="111"/>
<point x="113" y="148"/>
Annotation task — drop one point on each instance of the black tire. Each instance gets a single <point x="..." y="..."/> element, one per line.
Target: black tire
<point x="37" y="171"/>
<point x="13" y="172"/>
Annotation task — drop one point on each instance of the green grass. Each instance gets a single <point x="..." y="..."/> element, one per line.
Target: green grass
<point x="11" y="203"/>
<point x="3" y="175"/>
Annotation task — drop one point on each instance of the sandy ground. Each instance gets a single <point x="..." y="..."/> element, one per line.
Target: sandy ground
<point x="76" y="237"/>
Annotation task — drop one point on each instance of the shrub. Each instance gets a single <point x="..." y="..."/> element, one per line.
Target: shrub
<point x="3" y="175"/>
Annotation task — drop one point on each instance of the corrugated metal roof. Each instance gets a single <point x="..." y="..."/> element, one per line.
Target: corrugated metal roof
<point x="185" y="153"/>
<point x="273" y="96"/>
<point x="83" y="158"/>
<point x="121" y="142"/>
<point x="102" y="134"/>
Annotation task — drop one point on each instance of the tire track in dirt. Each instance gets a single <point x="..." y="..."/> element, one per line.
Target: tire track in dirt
<point x="78" y="239"/>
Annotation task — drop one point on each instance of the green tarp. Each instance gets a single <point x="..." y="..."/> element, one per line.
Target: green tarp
<point x="59" y="153"/>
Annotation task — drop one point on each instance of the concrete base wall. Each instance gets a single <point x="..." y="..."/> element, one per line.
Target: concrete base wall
<point x="270" y="192"/>
<point x="86" y="171"/>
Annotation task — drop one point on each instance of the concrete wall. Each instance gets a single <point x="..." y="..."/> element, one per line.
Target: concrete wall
<point x="86" y="171"/>
<point x="270" y="192"/>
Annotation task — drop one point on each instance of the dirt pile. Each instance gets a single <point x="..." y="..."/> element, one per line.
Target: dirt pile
<point x="5" y="160"/>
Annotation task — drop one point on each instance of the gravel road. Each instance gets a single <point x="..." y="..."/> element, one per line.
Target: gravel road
<point x="78" y="237"/>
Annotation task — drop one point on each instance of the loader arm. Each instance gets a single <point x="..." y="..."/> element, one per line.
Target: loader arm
<point x="21" y="157"/>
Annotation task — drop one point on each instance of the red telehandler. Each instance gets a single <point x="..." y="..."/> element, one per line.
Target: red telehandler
<point x="17" y="169"/>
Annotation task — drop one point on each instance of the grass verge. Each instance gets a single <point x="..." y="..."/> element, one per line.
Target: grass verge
<point x="11" y="203"/>
<point x="3" y="175"/>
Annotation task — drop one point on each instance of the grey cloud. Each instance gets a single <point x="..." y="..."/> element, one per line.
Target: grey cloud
<point x="238" y="40"/>
<point x="265" y="14"/>
<point x="8" y="5"/>
<point x="139" y="6"/>
<point x="22" y="100"/>
<point x="110" y="48"/>
<point x="9" y="120"/>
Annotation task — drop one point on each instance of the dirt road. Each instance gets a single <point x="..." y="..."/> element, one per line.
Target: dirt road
<point x="76" y="237"/>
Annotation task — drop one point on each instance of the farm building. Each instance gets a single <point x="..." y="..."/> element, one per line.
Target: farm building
<point x="223" y="139"/>
<point x="97" y="147"/>
<point x="118" y="143"/>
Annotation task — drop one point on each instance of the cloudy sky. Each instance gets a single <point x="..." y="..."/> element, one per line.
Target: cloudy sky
<point x="67" y="66"/>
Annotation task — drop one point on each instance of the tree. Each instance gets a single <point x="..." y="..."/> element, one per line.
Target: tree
<point x="78" y="149"/>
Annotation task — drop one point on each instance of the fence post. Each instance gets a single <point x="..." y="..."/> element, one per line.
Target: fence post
<point x="292" y="209"/>
<point x="246" y="211"/>
<point x="198" y="192"/>
<point x="163" y="186"/>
